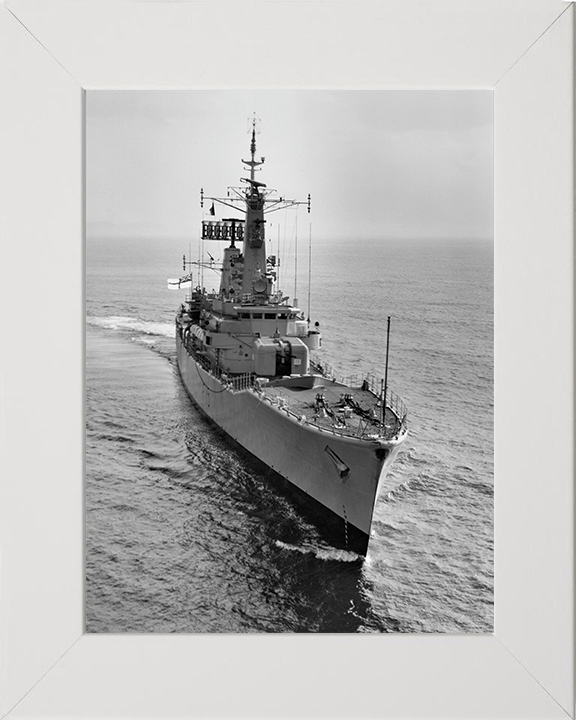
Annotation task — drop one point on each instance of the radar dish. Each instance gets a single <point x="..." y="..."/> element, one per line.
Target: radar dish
<point x="260" y="285"/>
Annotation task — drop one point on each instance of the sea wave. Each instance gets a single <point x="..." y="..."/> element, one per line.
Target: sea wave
<point x="422" y="483"/>
<point x="192" y="536"/>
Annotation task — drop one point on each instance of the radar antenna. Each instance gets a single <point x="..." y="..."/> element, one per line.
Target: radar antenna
<point x="253" y="163"/>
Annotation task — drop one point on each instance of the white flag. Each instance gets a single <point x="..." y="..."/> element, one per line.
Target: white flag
<point x="183" y="283"/>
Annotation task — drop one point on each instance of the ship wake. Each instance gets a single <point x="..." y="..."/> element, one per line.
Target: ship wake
<point x="132" y="325"/>
<point x="331" y="554"/>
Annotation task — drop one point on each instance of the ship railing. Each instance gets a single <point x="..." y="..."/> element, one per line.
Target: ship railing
<point x="365" y="381"/>
<point x="242" y="382"/>
<point x="324" y="368"/>
<point x="367" y="429"/>
<point x="236" y="383"/>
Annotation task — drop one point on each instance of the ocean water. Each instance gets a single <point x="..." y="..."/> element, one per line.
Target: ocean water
<point x="185" y="533"/>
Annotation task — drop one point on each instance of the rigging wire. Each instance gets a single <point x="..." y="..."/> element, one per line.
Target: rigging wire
<point x="295" y="298"/>
<point x="278" y="263"/>
<point x="309" y="266"/>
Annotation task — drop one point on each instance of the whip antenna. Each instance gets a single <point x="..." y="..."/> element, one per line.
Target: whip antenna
<point x="309" y="265"/>
<point x="296" y="260"/>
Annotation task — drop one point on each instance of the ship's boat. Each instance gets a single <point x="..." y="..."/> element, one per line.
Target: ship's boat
<point x="249" y="360"/>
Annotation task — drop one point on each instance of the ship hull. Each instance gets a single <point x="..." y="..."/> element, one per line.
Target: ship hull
<point x="337" y="477"/>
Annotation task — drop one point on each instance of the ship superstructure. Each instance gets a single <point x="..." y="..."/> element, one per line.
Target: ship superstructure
<point x="248" y="359"/>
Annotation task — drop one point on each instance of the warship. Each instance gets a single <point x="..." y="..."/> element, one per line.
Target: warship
<point x="249" y="359"/>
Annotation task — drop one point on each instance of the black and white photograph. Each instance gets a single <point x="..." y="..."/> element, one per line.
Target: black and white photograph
<point x="289" y="361"/>
<point x="287" y="389"/>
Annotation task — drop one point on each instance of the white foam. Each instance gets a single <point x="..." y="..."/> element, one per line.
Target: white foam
<point x="321" y="553"/>
<point x="399" y="491"/>
<point x="146" y="327"/>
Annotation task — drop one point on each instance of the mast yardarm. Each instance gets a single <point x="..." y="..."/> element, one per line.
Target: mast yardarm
<point x="250" y="273"/>
<point x="255" y="281"/>
<point x="252" y="163"/>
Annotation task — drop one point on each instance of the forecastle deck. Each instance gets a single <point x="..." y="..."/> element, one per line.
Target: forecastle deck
<point x="349" y="407"/>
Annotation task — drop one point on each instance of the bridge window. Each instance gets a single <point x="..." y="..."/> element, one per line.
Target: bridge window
<point x="269" y="316"/>
<point x="257" y="316"/>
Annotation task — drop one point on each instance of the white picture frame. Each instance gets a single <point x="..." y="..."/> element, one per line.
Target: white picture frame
<point x="51" y="53"/>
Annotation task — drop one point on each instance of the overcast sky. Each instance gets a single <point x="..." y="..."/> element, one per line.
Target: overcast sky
<point x="392" y="163"/>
